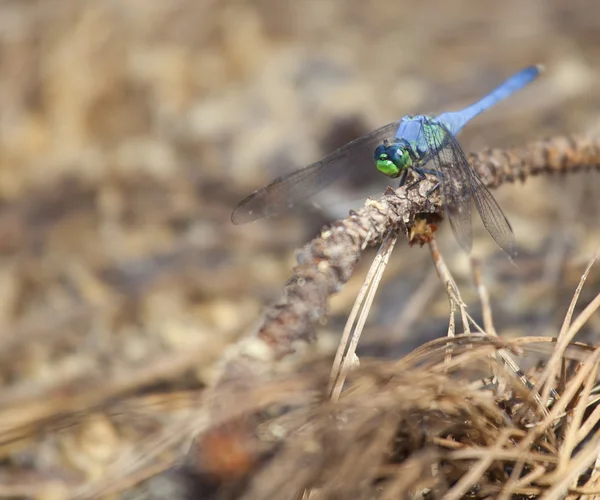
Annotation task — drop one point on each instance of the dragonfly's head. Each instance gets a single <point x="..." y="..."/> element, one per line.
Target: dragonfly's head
<point x="392" y="159"/>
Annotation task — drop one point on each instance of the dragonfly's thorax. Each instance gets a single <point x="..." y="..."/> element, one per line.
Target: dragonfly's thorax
<point x="420" y="131"/>
<point x="393" y="158"/>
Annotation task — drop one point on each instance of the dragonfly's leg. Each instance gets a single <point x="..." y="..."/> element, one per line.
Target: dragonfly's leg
<point x="439" y="175"/>
<point x="438" y="184"/>
<point x="432" y="172"/>
<point x="422" y="177"/>
<point x="403" y="176"/>
<point x="422" y="172"/>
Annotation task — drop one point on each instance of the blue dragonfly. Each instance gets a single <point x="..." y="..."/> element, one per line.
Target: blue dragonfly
<point x="416" y="142"/>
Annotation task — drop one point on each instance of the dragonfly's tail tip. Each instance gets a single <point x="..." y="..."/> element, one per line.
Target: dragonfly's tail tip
<point x="541" y="68"/>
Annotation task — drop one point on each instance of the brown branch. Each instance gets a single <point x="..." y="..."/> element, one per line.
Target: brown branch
<point x="327" y="262"/>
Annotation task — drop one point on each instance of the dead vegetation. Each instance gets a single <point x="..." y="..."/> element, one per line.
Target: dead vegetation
<point x="452" y="419"/>
<point x="455" y="418"/>
<point x="132" y="363"/>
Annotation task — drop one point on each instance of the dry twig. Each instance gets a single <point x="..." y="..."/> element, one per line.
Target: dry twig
<point x="327" y="262"/>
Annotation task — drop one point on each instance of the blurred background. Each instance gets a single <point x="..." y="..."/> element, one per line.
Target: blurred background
<point x="130" y="130"/>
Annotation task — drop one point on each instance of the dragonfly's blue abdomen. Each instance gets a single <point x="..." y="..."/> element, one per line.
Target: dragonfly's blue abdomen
<point x="456" y="120"/>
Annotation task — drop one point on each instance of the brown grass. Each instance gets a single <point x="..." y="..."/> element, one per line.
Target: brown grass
<point x="449" y="420"/>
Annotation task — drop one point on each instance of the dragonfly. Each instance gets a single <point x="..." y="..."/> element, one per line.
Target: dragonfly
<point x="410" y="144"/>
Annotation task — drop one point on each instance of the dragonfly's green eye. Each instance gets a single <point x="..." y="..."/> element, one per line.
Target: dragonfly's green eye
<point x="391" y="160"/>
<point x="386" y="166"/>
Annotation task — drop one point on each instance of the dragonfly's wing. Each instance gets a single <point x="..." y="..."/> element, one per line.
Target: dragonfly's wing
<point x="491" y="214"/>
<point x="456" y="190"/>
<point x="285" y="192"/>
<point x="456" y="169"/>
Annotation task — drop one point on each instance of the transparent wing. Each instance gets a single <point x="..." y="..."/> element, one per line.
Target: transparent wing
<point x="491" y="214"/>
<point x="285" y="192"/>
<point x="452" y="162"/>
<point x="456" y="192"/>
